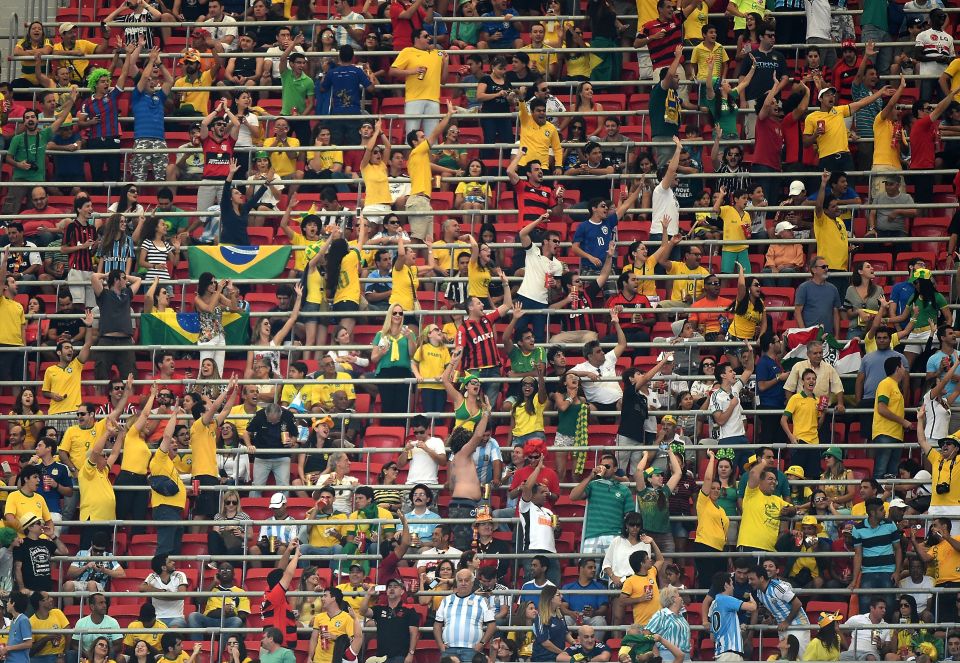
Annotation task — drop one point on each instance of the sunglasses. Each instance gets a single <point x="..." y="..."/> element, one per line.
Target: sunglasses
<point x="82" y="414"/>
<point x="231" y="501"/>
<point x="397" y="314"/>
<point x="118" y="387"/>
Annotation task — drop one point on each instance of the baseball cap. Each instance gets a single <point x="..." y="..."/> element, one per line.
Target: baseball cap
<point x="277" y="500"/>
<point x="915" y="20"/>
<point x="653" y="471"/>
<point x="784" y="225"/>
<point x="809" y="520"/>
<point x="826" y="90"/>
<point x="836" y="452"/>
<point x="897" y="503"/>
<point x="66" y="27"/>
<point x="261" y="154"/>
<point x="796" y="188"/>
<point x="668" y="419"/>
<point x="394" y="581"/>
<point x="356" y="566"/>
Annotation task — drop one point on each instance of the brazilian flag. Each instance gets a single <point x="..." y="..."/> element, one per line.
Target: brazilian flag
<point x="238" y="262"/>
<point x="172" y="328"/>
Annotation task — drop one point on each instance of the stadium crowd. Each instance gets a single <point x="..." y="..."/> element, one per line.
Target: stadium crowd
<point x="600" y="332"/>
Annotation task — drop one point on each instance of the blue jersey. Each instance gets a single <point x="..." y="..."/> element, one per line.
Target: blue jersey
<point x="777" y="598"/>
<point x="594" y="239"/>
<point x="344" y="85"/>
<point x="147" y="111"/>
<point x="725" y="625"/>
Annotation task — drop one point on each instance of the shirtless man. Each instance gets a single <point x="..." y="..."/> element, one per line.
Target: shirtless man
<point x="464" y="482"/>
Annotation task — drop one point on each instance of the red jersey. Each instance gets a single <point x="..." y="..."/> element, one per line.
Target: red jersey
<point x="532" y="201"/>
<point x="479" y="342"/>
<point x="843" y="75"/>
<point x="176" y="388"/>
<point x="217" y="155"/>
<point x="547" y="477"/>
<point x="403" y="27"/>
<point x="661" y="50"/>
<point x="792" y="131"/>
<point x="74" y="235"/>
<point x="275" y="611"/>
<point x="632" y="321"/>
<point x="924" y="143"/>
<point x="768" y="146"/>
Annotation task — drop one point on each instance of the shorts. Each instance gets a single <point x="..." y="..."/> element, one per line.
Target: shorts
<point x="346" y="306"/>
<point x="207" y="503"/>
<point x="916" y="342"/>
<point x="311" y="307"/>
<point x="561" y="440"/>
<point x="421" y="221"/>
<point x="375" y="213"/>
<point x="141" y="159"/>
<point x="679" y="529"/>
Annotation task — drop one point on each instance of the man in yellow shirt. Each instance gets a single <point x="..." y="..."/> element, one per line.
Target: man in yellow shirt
<point x="446" y="257"/>
<point x="47" y="617"/>
<point x="322" y="393"/>
<point x="168" y="498"/>
<point x="148" y="620"/>
<point x="222" y="609"/>
<point x="241" y="413"/>
<point x="827" y="128"/>
<point x="198" y="103"/>
<point x="941" y="551"/>
<point x="285" y="163"/>
<point x="544" y="64"/>
<point x="538" y="137"/>
<point x="61" y="381"/>
<point x="26" y="500"/>
<point x="944" y="471"/>
<point x="203" y="445"/>
<point x="886" y="146"/>
<point x="424" y="69"/>
<point x="762" y="510"/>
<point x="833" y="245"/>
<point x="888" y="420"/>
<point x="805" y="415"/>
<point x="420" y="169"/>
<point x="70" y="45"/>
<point x="641" y="591"/>
<point x="684" y="291"/>
<point x="328" y="625"/>
<point x="12" y="321"/>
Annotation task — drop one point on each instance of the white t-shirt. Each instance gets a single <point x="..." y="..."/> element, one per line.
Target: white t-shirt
<point x="818" y="19"/>
<point x="273" y="57"/>
<point x="719" y="400"/>
<point x="423" y="468"/>
<point x="922" y="598"/>
<point x="938" y="419"/>
<point x="934" y="43"/>
<point x="342" y="499"/>
<point x="536" y="267"/>
<point x="617" y="557"/>
<point x="428" y="565"/>
<point x="664" y="204"/>
<point x="221" y="29"/>
<point x="249" y="128"/>
<point x="168" y="609"/>
<point x="601" y="391"/>
<point x="537" y="524"/>
<point x="861" y="641"/>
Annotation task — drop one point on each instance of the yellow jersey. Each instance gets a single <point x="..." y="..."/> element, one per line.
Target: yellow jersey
<point x="12" y="321"/>
<point x="944" y="472"/>
<point x="200" y="99"/>
<point x="478" y="280"/>
<point x="405" y="282"/>
<point x="712" y="523"/>
<point x="832" y="243"/>
<point x="760" y="522"/>
<point x="203" y="447"/>
<point x="64" y="380"/>
<point x="431" y="361"/>
<point x="419" y="169"/>
<point x="136" y="453"/>
<point x="415" y="88"/>
<point x="885" y="153"/>
<point x="284" y="163"/>
<point x="685" y="287"/>
<point x="152" y="639"/>
<point x="162" y="465"/>
<point x="701" y="53"/>
<point x="446" y="258"/>
<point x="77" y="441"/>
<point x="19" y="504"/>
<point x="803" y="413"/>
<point x="834" y="139"/>
<point x="376" y="185"/>
<point x="736" y="226"/>
<point x="97" y="500"/>
<point x="55" y="621"/>
<point x="239" y="417"/>
<point x="348" y="280"/>
<point x="539" y="140"/>
<point x="888" y="391"/>
<point x="340" y="624"/>
<point x="639" y="585"/>
<point x="322" y="393"/>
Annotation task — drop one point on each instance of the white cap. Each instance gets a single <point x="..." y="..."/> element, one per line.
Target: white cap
<point x="277" y="500"/>
<point x="677" y="326"/>
<point x="66" y="27"/>
<point x="796" y="188"/>
<point x="783" y="225"/>
<point x="897" y="503"/>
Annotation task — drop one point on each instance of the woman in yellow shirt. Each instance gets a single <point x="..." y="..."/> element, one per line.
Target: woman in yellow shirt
<point x="712" y="524"/>
<point x="736" y="226"/>
<point x="749" y="319"/>
<point x="342" y="263"/>
<point x="373" y="170"/>
<point x="35" y="43"/>
<point x="26" y="406"/>
<point x="429" y="362"/>
<point x="527" y="413"/>
<point x="643" y="266"/>
<point x="405" y="277"/>
<point x="480" y="269"/>
<point x="826" y="646"/>
<point x="475" y="195"/>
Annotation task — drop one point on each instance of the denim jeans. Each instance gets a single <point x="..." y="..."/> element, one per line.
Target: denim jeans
<point x="198" y="620"/>
<point x="170" y="537"/>
<point x="886" y="461"/>
<point x="462" y="532"/>
<point x="878" y="581"/>
<point x="264" y="466"/>
<point x="463" y="654"/>
<point x="538" y="320"/>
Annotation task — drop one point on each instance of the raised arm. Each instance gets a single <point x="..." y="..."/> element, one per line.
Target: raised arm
<point x="891" y="106"/>
<point x="822" y="192"/>
<point x="672" y="165"/>
<point x="144" y="415"/>
<point x="514" y="163"/>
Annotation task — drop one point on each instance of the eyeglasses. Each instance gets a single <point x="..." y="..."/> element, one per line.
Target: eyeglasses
<point x="231" y="501"/>
<point x="820" y="266"/>
<point x="397" y="314"/>
<point x="554" y="240"/>
<point x="82" y="414"/>
<point x="117" y="387"/>
<point x="609" y="467"/>
<point x="711" y="282"/>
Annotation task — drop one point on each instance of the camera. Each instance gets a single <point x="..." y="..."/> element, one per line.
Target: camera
<point x="943" y="488"/>
<point x="33" y="165"/>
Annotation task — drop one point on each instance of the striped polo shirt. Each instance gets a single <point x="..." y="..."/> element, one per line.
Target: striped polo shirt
<point x="777" y="598"/>
<point x="607" y="503"/>
<point x="464" y="619"/>
<point x="877" y="545"/>
<point x="671" y="627"/>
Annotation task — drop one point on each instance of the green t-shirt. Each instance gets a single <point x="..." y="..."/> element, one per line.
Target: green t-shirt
<point x="295" y="92"/>
<point x="521" y="363"/>
<point x="403" y="354"/>
<point x="656" y="516"/>
<point x="725" y="113"/>
<point x="468" y="32"/>
<point x="174" y="224"/>
<point x="928" y="314"/>
<point x="875" y="14"/>
<point x="282" y="655"/>
<point x="607" y="503"/>
<point x="32" y="149"/>
<point x="664" y="112"/>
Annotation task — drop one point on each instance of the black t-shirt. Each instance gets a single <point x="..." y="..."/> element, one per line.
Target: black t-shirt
<point x="265" y="435"/>
<point x="393" y="629"/>
<point x="513" y="78"/>
<point x="500" y="104"/>
<point x="634" y="413"/>
<point x="244" y="67"/>
<point x="36" y="567"/>
<point x="592" y="186"/>
<point x="770" y="67"/>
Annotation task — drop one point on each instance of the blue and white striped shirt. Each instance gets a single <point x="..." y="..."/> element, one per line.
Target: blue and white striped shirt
<point x="284" y="533"/>
<point x="777" y="598"/>
<point x="725" y="624"/>
<point x="464" y="619"/>
<point x="672" y="628"/>
<point x="877" y="544"/>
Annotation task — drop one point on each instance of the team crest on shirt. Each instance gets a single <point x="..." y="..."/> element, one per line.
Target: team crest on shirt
<point x="605" y="230"/>
<point x="546" y="132"/>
